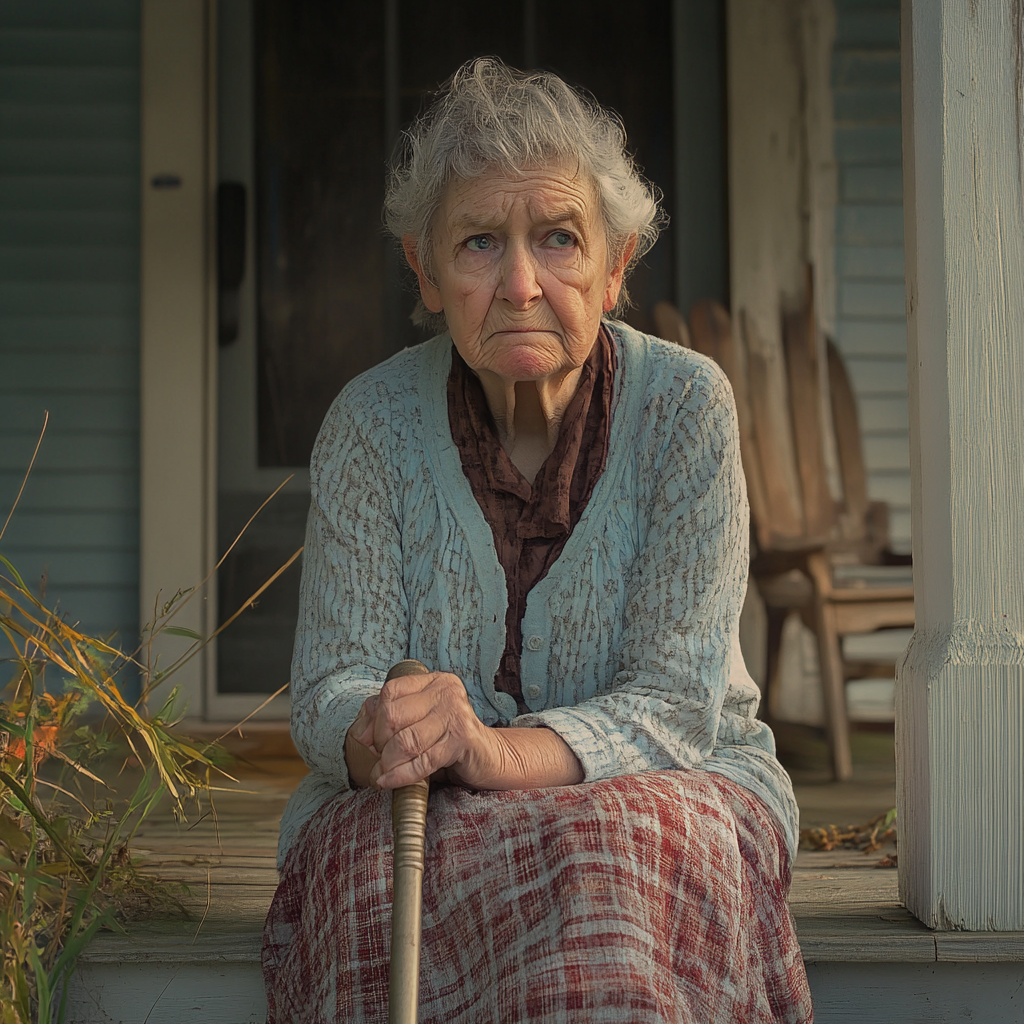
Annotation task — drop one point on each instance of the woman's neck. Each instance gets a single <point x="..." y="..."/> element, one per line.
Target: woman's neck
<point x="528" y="415"/>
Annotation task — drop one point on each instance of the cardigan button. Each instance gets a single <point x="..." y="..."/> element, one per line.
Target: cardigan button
<point x="533" y="691"/>
<point x="535" y="643"/>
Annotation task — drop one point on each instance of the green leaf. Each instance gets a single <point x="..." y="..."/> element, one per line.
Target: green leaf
<point x="12" y="836"/>
<point x="182" y="631"/>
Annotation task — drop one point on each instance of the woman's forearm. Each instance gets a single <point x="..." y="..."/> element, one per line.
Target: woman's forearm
<point x="526" y="759"/>
<point x="514" y="759"/>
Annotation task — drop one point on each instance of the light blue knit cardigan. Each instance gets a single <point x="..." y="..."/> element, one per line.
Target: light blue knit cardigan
<point x="630" y="643"/>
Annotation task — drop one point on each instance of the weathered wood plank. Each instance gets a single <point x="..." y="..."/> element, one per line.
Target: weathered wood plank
<point x="980" y="947"/>
<point x="850" y="885"/>
<point x="181" y="946"/>
<point x="148" y="993"/>
<point x="857" y="993"/>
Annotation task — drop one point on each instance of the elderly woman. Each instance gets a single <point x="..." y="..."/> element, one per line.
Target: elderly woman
<point x="547" y="509"/>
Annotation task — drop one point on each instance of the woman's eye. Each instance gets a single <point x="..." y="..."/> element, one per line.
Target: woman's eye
<point x="479" y="243"/>
<point x="561" y="240"/>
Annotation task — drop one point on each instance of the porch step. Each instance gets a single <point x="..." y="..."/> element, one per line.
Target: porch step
<point x="868" y="960"/>
<point x="169" y="979"/>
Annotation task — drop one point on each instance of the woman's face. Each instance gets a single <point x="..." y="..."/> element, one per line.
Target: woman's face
<point x="521" y="271"/>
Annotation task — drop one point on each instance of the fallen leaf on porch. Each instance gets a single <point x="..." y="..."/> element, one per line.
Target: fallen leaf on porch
<point x="869" y="837"/>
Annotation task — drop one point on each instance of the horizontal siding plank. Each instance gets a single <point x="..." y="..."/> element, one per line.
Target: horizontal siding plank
<point x="69" y="300"/>
<point x="864" y="183"/>
<point x="869" y="144"/>
<point x="96" y="14"/>
<point x="874" y="261"/>
<point x="73" y="371"/>
<point x="98" y="569"/>
<point x="68" y="85"/>
<point x="871" y="326"/>
<point x="877" y="28"/>
<point x="86" y="531"/>
<point x="870" y="225"/>
<point x="63" y="264"/>
<point x="70" y="122"/>
<point x="20" y="412"/>
<point x="899" y="530"/>
<point x="894" y="489"/>
<point x="859" y="338"/>
<point x="79" y="332"/>
<point x="61" y="227"/>
<point x="68" y="156"/>
<point x="866" y="69"/>
<point x="886" y="453"/>
<point x="877" y="376"/>
<point x="107" y="47"/>
<point x="103" y="297"/>
<point x="866" y="106"/>
<point x="871" y="298"/>
<point x="116" y="492"/>
<point x="884" y="414"/>
<point x="106" y="571"/>
<point x="72" y="450"/>
<point x="53" y="192"/>
<point x="99" y="611"/>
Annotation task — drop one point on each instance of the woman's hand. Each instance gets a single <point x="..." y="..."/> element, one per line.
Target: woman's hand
<point x="419" y="725"/>
<point x="424" y="724"/>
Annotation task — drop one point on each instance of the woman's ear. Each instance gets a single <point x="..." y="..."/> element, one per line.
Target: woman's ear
<point x="614" y="285"/>
<point x="429" y="291"/>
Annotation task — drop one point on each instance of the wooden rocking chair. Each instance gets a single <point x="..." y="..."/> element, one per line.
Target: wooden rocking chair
<point x="822" y="557"/>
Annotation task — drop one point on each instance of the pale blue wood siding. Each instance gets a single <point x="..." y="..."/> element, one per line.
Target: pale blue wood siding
<point x="871" y="322"/>
<point x="69" y="300"/>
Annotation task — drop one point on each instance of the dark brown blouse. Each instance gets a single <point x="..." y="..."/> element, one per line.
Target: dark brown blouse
<point x="531" y="523"/>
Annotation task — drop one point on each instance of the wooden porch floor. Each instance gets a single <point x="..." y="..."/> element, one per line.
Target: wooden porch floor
<point x="862" y="948"/>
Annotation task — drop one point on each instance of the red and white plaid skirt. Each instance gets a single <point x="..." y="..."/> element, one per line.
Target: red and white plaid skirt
<point x="653" y="897"/>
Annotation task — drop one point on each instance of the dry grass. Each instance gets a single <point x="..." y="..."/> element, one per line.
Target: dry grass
<point x="66" y="731"/>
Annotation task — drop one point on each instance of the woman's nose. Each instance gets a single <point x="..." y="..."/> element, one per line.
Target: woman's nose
<point x="519" y="284"/>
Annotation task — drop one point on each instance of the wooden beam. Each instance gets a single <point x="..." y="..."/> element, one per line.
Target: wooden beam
<point x="174" y="360"/>
<point x="767" y="237"/>
<point x="960" y="685"/>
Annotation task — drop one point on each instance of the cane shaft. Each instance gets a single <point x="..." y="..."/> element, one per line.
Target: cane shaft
<point x="409" y="824"/>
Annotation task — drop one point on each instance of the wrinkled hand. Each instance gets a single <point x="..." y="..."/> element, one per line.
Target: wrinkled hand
<point x="421" y="725"/>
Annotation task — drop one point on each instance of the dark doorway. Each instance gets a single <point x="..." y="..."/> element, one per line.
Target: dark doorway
<point x="334" y="82"/>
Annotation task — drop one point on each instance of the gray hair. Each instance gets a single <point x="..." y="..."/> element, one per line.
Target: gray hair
<point x="490" y="115"/>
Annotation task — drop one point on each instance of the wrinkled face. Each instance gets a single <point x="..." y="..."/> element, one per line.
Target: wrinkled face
<point x="521" y="271"/>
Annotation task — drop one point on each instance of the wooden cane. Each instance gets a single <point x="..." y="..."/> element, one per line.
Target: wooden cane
<point x="409" y="824"/>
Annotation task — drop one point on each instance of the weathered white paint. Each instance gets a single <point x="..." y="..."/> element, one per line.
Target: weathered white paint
<point x="960" y="685"/>
<point x="817" y="36"/>
<point x="175" y="367"/>
<point x="902" y="983"/>
<point x="168" y="993"/>
<point x="857" y="993"/>
<point x="767" y="232"/>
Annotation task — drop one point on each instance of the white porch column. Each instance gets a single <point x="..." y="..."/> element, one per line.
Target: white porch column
<point x="960" y="685"/>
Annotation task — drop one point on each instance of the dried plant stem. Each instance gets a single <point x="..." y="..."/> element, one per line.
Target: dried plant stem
<point x="31" y="463"/>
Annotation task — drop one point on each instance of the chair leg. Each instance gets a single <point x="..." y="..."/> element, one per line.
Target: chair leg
<point x="834" y="692"/>
<point x="776" y="620"/>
